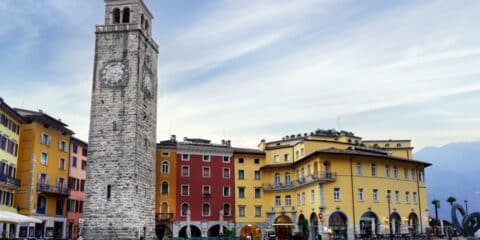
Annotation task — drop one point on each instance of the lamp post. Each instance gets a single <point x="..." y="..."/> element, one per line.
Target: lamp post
<point x="389" y="223"/>
<point x="466" y="207"/>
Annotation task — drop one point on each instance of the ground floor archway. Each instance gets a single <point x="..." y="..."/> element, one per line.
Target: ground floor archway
<point x="283" y="227"/>
<point x="194" y="230"/>
<point x="214" y="231"/>
<point x="313" y="226"/>
<point x="369" y="224"/>
<point x="395" y="223"/>
<point x="413" y="222"/>
<point x="338" y="223"/>
<point x="251" y="230"/>
<point x="163" y="230"/>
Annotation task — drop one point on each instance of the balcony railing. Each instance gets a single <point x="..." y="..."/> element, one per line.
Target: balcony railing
<point x="164" y="217"/>
<point x="118" y="27"/>
<point x="45" y="188"/>
<point x="321" y="177"/>
<point x="9" y="180"/>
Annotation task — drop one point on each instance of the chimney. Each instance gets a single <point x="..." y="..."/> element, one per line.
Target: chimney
<point x="173" y="138"/>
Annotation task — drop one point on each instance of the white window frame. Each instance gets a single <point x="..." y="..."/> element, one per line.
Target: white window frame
<point x="361" y="195"/>
<point x="209" y="190"/>
<point x="188" y="190"/>
<point x="359" y="169"/>
<point x="229" y="173"/>
<point x="162" y="170"/>
<point x="41" y="158"/>
<point x="278" y="200"/>
<point x="288" y="200"/>
<point x="374" y="170"/>
<point x="229" y="191"/>
<point x="276" y="158"/>
<point x="258" y="211"/>
<point x="206" y="158"/>
<point x="227" y="159"/>
<point x="375" y="195"/>
<point x="181" y="169"/>
<point x="165" y="153"/>
<point x="187" y="157"/>
<point x="241" y="211"/>
<point x="209" y="172"/>
<point x="336" y="194"/>
<point x="209" y="210"/>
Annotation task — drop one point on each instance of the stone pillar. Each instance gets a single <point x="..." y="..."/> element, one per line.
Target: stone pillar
<point x="17" y="232"/>
<point x="7" y="230"/>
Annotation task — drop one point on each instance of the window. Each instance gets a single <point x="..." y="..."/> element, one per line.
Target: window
<point x="298" y="199"/>
<point x="226" y="209"/>
<point x="414" y="175"/>
<point x="62" y="146"/>
<point x="397" y="196"/>
<point x="184" y="209"/>
<point x="258" y="211"/>
<point x="206" y="210"/>
<point x="312" y="196"/>
<point x="415" y="199"/>
<point x="61" y="164"/>
<point x="45" y="139"/>
<point x="359" y="169"/>
<point x="303" y="198"/>
<point x="109" y="192"/>
<point x="287" y="179"/>
<point x="185" y="190"/>
<point x="241" y="211"/>
<point x="41" y="204"/>
<point x="59" y="206"/>
<point x="288" y="200"/>
<point x="126" y="15"/>
<point x="256" y="161"/>
<point x="399" y="145"/>
<point x="226" y="159"/>
<point x="74" y="161"/>
<point x="278" y="201"/>
<point x="84" y="152"/>
<point x="241" y="192"/>
<point x="387" y="171"/>
<point x="226" y="191"/>
<point x="257" y="175"/>
<point x="374" y="170"/>
<point x="185" y="157"/>
<point x="302" y="152"/>
<point x="226" y="172"/>
<point x="165" y="153"/>
<point x="206" y="172"/>
<point x="360" y="194"/>
<point x="206" y="158"/>
<point x="116" y="15"/>
<point x="241" y="174"/>
<point x="286" y="157"/>
<point x="241" y="160"/>
<point x="84" y="164"/>
<point x="387" y="145"/>
<point x="395" y="172"/>
<point x="389" y="196"/>
<point x="185" y="171"/>
<point x="276" y="158"/>
<point x="74" y="148"/>
<point x="405" y="173"/>
<point x="277" y="179"/>
<point x="258" y="193"/>
<point x="165" y="167"/>
<point x="206" y="190"/>
<point x="297" y="155"/>
<point x="164" y="188"/>
<point x="375" y="195"/>
<point x="407" y="197"/>
<point x="336" y="194"/>
<point x="44" y="158"/>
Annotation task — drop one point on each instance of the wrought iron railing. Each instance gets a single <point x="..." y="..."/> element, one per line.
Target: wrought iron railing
<point x="9" y="180"/>
<point x="53" y="189"/>
<point x="302" y="181"/>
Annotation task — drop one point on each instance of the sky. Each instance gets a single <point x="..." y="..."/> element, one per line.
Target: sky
<point x="252" y="70"/>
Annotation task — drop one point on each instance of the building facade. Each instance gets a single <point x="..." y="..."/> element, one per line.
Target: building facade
<point x="205" y="189"/>
<point x="10" y="122"/>
<point x="120" y="181"/>
<point x="43" y="171"/>
<point x="76" y="185"/>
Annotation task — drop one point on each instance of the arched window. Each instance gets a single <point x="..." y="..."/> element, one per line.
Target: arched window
<point x="226" y="209"/>
<point x="126" y="15"/>
<point x="116" y="15"/>
<point x="164" y="188"/>
<point x="387" y="145"/>
<point x="41" y="204"/>
<point x="164" y="208"/>
<point x="184" y="209"/>
<point x="142" y="19"/>
<point x="206" y="209"/>
<point x="399" y="145"/>
<point x="165" y="167"/>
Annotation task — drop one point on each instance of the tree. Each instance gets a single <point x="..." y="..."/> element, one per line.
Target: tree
<point x="436" y="204"/>
<point x="451" y="200"/>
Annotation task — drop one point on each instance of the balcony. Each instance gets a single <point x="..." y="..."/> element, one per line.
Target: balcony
<point x="163" y="217"/>
<point x="322" y="177"/>
<point x="45" y="188"/>
<point x="12" y="182"/>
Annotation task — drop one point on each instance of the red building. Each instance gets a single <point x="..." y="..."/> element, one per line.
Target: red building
<point x="205" y="188"/>
<point x="76" y="185"/>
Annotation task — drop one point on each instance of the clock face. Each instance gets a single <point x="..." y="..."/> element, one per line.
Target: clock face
<point x="115" y="74"/>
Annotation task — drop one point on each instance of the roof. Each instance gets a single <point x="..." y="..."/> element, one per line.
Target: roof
<point x="388" y="140"/>
<point x="278" y="165"/>
<point x="79" y="140"/>
<point x="42" y="117"/>
<point x="359" y="153"/>
<point x="248" y="151"/>
<point x="11" y="111"/>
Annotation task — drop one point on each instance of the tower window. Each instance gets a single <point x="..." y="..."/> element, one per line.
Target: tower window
<point x="109" y="192"/>
<point x="116" y="15"/>
<point x="142" y="19"/>
<point x="126" y="15"/>
<point x="146" y="25"/>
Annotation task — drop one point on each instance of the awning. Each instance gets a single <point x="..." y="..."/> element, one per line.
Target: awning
<point x="11" y="217"/>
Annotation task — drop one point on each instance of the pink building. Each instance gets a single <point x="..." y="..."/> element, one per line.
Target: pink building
<point x="76" y="184"/>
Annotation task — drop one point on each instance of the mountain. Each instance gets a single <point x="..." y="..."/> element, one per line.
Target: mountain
<point x="455" y="171"/>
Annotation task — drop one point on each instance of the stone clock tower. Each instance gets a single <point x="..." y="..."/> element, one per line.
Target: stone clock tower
<point x="120" y="183"/>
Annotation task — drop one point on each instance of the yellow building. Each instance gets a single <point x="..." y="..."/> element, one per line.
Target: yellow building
<point x="166" y="186"/>
<point x="43" y="162"/>
<point x="330" y="181"/>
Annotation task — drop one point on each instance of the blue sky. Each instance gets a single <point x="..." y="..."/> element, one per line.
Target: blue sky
<point x="248" y="70"/>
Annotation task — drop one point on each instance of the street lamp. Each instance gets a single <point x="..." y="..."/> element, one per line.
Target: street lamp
<point x="466" y="207"/>
<point x="389" y="223"/>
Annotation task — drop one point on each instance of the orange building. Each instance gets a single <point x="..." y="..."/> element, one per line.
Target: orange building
<point x="166" y="186"/>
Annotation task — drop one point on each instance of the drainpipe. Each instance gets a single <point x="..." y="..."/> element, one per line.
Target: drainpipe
<point x="419" y="198"/>
<point x="353" y="197"/>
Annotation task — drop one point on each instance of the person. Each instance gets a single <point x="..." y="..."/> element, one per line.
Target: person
<point x="165" y="237"/>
